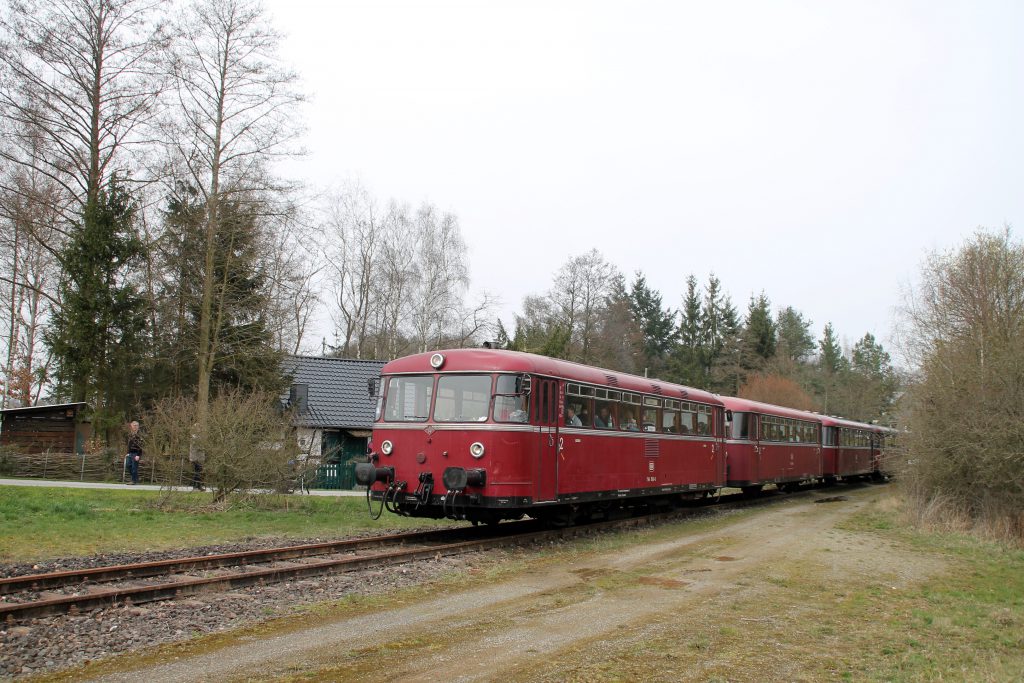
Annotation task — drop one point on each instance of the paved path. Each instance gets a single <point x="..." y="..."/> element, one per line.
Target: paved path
<point x="144" y="487"/>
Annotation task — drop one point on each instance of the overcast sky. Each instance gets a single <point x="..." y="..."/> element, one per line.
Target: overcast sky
<point x="815" y="150"/>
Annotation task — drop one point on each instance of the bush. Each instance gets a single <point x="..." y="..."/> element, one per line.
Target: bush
<point x="246" y="444"/>
<point x="965" y="328"/>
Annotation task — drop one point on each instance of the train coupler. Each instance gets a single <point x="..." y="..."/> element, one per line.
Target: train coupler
<point x="425" y="488"/>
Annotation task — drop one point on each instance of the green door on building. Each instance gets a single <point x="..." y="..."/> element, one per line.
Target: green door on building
<point x="341" y="452"/>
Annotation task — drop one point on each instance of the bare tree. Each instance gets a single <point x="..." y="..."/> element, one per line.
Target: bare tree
<point x="356" y="234"/>
<point x="235" y="113"/>
<point x="965" y="328"/>
<point x="78" y="83"/>
<point x="580" y="292"/>
<point x="395" y="280"/>
<point x="30" y="290"/>
<point x="443" y="276"/>
<point x="291" y="272"/>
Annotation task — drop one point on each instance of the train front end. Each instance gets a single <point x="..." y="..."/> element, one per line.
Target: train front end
<point x="451" y="438"/>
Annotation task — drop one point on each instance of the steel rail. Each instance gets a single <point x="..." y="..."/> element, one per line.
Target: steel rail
<point x="71" y="577"/>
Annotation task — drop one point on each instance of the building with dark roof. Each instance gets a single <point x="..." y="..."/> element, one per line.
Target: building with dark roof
<point x="36" y="429"/>
<point x="333" y="411"/>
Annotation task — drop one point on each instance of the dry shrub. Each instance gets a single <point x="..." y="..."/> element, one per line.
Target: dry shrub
<point x="965" y="328"/>
<point x="775" y="389"/>
<point x="247" y="443"/>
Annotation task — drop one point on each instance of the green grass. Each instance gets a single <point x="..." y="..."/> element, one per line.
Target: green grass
<point x="41" y="523"/>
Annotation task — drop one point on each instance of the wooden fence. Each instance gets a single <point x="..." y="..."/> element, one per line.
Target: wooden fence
<point x="109" y="467"/>
<point x="86" y="467"/>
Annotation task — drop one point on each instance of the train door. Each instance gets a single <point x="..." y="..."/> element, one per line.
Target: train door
<point x="757" y="437"/>
<point x="545" y="407"/>
<point x="719" y="448"/>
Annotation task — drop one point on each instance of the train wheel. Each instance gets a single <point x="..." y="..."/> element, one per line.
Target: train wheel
<point x="752" y="490"/>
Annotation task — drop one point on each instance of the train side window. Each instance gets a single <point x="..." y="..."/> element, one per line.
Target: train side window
<point x="670" y="421"/>
<point x="650" y="421"/>
<point x="703" y="422"/>
<point x="586" y="413"/>
<point x="510" y="406"/>
<point x="688" y="422"/>
<point x="604" y="417"/>
<point x="627" y="418"/>
<point x="578" y="412"/>
<point x="740" y="426"/>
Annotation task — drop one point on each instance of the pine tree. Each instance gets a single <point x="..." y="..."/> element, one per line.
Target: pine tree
<point x="97" y="334"/>
<point x="711" y="321"/>
<point x="831" y="360"/>
<point x="833" y="366"/>
<point x="244" y="352"/>
<point x="657" y="325"/>
<point x="795" y="339"/>
<point x="687" y="362"/>
<point x="759" y="334"/>
<point x="727" y="373"/>
<point x="872" y="378"/>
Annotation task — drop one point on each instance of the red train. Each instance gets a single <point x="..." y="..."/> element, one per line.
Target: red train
<point x="486" y="435"/>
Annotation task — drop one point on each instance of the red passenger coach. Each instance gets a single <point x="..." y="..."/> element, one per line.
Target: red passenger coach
<point x="487" y="435"/>
<point x="849" y="449"/>
<point x="768" y="444"/>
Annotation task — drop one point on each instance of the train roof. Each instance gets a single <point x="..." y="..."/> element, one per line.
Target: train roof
<point x="830" y="421"/>
<point x="746" y="405"/>
<point x="496" y="360"/>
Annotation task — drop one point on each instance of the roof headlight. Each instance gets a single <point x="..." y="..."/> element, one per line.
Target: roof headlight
<point x="477" y="450"/>
<point x="436" y="361"/>
<point x="386" y="447"/>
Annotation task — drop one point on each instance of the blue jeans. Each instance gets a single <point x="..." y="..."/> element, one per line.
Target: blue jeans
<point x="133" y="468"/>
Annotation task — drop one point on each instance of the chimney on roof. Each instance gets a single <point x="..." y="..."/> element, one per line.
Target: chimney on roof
<point x="298" y="397"/>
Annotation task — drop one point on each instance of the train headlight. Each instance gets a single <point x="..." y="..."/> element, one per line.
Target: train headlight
<point x="386" y="447"/>
<point x="436" y="361"/>
<point x="477" y="450"/>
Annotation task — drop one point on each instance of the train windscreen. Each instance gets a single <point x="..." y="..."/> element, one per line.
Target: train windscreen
<point x="462" y="398"/>
<point x="408" y="398"/>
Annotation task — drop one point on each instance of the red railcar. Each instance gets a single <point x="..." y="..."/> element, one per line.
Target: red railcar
<point x="849" y="449"/>
<point x="486" y="435"/>
<point x="883" y="443"/>
<point x="768" y="444"/>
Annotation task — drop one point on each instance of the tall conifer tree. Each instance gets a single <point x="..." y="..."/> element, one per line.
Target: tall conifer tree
<point x="96" y="335"/>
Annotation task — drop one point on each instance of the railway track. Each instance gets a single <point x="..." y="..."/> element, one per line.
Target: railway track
<point x="36" y="595"/>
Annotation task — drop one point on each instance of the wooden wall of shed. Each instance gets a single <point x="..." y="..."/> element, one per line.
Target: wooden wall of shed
<point x="35" y="432"/>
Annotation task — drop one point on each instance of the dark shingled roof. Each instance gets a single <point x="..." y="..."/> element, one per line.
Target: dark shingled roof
<point x="338" y="396"/>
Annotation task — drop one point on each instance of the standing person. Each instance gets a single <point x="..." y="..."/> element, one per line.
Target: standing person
<point x="134" y="456"/>
<point x="196" y="456"/>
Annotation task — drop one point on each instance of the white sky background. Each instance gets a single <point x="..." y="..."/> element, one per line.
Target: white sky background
<point x="814" y="150"/>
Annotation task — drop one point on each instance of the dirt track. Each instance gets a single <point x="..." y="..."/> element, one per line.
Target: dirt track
<point x="557" y="611"/>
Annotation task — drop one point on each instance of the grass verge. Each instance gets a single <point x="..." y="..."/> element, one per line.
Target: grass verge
<point x="43" y="523"/>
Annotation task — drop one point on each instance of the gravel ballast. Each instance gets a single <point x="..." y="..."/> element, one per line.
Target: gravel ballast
<point x="52" y="643"/>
